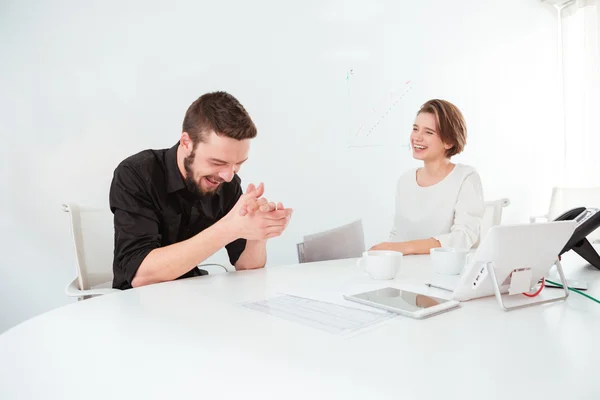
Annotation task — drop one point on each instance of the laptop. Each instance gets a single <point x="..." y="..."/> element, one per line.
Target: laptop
<point x="513" y="248"/>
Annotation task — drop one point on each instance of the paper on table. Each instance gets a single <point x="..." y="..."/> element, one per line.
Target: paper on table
<point x="329" y="317"/>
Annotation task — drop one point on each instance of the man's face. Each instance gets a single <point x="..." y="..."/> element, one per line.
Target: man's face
<point x="214" y="161"/>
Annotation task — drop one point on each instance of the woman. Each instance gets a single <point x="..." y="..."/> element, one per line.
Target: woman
<point x="441" y="203"/>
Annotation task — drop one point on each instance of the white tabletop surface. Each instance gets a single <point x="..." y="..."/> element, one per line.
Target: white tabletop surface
<point x="192" y="339"/>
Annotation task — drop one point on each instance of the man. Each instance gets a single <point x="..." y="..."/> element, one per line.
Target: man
<point x="176" y="207"/>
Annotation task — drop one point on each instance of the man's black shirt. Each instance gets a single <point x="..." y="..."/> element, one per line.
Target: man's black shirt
<point x="153" y="208"/>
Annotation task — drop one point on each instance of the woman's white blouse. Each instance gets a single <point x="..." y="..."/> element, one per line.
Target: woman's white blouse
<point x="449" y="211"/>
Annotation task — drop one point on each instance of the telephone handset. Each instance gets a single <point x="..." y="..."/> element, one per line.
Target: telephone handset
<point x="588" y="220"/>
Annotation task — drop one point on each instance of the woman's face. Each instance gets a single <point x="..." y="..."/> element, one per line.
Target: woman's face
<point x="425" y="141"/>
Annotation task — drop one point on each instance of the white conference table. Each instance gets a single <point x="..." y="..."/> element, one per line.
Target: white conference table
<point x="191" y="339"/>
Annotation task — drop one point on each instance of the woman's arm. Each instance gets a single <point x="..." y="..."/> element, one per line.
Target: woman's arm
<point x="421" y="246"/>
<point x="468" y="214"/>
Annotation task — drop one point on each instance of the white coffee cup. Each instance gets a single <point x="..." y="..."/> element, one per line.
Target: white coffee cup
<point x="381" y="264"/>
<point x="447" y="260"/>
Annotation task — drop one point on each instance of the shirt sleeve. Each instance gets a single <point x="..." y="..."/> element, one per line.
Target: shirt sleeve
<point x="468" y="214"/>
<point x="136" y="225"/>
<point x="237" y="247"/>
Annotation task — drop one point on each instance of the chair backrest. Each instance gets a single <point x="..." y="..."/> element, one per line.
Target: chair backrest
<point x="92" y="231"/>
<point x="346" y="241"/>
<point x="491" y="216"/>
<point x="300" y="249"/>
<point x="564" y="199"/>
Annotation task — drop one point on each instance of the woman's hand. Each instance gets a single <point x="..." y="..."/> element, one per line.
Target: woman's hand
<point x="421" y="246"/>
<point x="391" y="246"/>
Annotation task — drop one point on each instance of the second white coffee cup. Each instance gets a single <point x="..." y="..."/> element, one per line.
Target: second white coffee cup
<point x="381" y="264"/>
<point x="448" y="261"/>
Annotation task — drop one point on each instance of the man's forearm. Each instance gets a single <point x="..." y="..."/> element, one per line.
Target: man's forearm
<point x="254" y="255"/>
<point x="170" y="262"/>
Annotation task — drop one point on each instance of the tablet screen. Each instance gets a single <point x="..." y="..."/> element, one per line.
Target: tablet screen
<point x="400" y="299"/>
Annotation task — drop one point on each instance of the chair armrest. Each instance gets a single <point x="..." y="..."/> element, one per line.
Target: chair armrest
<point x="72" y="290"/>
<point x="533" y="219"/>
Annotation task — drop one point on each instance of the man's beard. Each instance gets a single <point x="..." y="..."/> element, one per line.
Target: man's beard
<point x="192" y="185"/>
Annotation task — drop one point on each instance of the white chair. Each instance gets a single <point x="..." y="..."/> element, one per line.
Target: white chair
<point x="92" y="231"/>
<point x="346" y="241"/>
<point x="492" y="216"/>
<point x="564" y="199"/>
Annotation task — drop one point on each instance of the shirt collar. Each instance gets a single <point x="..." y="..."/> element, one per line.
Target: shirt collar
<point x="174" y="178"/>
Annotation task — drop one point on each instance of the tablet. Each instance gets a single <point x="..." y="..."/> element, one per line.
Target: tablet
<point x="410" y="304"/>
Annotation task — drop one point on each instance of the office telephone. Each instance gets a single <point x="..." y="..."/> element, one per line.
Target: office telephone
<point x="588" y="220"/>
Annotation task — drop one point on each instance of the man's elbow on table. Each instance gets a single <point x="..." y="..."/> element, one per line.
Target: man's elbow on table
<point x="138" y="281"/>
<point x="241" y="265"/>
<point x="144" y="276"/>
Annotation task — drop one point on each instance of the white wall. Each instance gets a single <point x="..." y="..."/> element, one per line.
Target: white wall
<point x="582" y="92"/>
<point x="85" y="84"/>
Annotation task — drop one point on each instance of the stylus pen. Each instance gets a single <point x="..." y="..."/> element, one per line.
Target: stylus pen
<point x="437" y="287"/>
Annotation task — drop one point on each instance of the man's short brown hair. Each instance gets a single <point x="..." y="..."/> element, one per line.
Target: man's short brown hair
<point x="451" y="125"/>
<point x="219" y="112"/>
